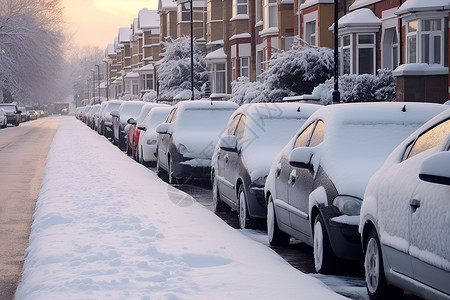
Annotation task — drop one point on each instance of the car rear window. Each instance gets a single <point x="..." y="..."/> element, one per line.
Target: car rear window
<point x="204" y="119"/>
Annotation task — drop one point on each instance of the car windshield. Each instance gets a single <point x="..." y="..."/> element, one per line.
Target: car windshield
<point x="112" y="106"/>
<point x="204" y="119"/>
<point x="9" y="108"/>
<point x="143" y="114"/>
<point x="130" y="110"/>
<point x="152" y="120"/>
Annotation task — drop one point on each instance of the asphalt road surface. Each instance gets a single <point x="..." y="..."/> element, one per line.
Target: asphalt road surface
<point x="23" y="152"/>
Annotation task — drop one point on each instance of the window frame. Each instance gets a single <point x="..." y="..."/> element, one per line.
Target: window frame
<point x="244" y="68"/>
<point x="309" y="34"/>
<point x="270" y="17"/>
<point x="360" y="46"/>
<point x="341" y="48"/>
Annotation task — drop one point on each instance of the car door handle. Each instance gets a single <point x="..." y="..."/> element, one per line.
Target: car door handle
<point x="292" y="177"/>
<point x="278" y="170"/>
<point x="226" y="158"/>
<point x="415" y="204"/>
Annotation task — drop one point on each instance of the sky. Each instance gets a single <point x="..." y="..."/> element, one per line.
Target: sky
<point x="96" y="22"/>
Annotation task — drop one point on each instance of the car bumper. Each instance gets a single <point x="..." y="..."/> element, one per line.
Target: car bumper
<point x="191" y="168"/>
<point x="344" y="238"/>
<point x="255" y="200"/>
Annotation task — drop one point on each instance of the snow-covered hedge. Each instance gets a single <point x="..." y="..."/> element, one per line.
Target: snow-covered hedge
<point x="359" y="88"/>
<point x="129" y="97"/>
<point x="293" y="72"/>
<point x="150" y="96"/>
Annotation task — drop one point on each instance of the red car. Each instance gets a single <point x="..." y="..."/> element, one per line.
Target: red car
<point x="134" y="132"/>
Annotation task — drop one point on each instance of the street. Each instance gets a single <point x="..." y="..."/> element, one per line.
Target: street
<point x="23" y="151"/>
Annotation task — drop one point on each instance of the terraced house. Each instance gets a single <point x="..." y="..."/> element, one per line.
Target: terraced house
<point x="239" y="37"/>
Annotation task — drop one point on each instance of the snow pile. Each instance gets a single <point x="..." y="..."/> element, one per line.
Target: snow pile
<point x="108" y="228"/>
<point x="359" y="88"/>
<point x="150" y="96"/>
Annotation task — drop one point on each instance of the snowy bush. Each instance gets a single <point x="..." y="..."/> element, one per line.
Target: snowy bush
<point x="150" y="96"/>
<point x="245" y="91"/>
<point x="128" y="97"/>
<point x="359" y="88"/>
<point x="175" y="69"/>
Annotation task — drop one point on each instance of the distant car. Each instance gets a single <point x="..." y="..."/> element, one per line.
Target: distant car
<point x="13" y="113"/>
<point x="33" y="114"/>
<point x="315" y="187"/>
<point x="3" y="118"/>
<point x="255" y="134"/>
<point x="128" y="109"/>
<point x="405" y="217"/>
<point x="64" y="111"/>
<point x="146" y="149"/>
<point x="105" y="118"/>
<point x="134" y="131"/>
<point x="187" y="138"/>
<point x="23" y="114"/>
<point x="90" y="115"/>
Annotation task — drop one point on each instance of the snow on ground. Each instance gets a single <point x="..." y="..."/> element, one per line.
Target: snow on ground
<point x="108" y="228"/>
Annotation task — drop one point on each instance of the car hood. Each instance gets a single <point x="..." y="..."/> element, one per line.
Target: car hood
<point x="199" y="145"/>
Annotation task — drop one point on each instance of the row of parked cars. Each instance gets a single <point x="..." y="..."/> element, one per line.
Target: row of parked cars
<point x="367" y="181"/>
<point x="10" y="113"/>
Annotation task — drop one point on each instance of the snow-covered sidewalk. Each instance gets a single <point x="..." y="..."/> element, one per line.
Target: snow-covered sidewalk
<point x="106" y="227"/>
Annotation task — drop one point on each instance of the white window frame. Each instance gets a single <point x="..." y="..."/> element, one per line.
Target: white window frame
<point x="310" y="34"/>
<point x="244" y="68"/>
<point x="218" y="77"/>
<point x="394" y="50"/>
<point x="240" y="4"/>
<point x="258" y="10"/>
<point x="366" y="46"/>
<point x="259" y="62"/>
<point x="270" y="14"/>
<point x="148" y="78"/>
<point x="432" y="34"/>
<point x="134" y="87"/>
<point x="341" y="49"/>
<point x="233" y="69"/>
<point x="409" y="35"/>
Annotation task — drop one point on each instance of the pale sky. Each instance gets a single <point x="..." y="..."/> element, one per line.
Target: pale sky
<point x="97" y="22"/>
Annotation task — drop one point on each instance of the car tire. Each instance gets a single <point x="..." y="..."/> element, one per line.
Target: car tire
<point x="244" y="219"/>
<point x="275" y="236"/>
<point x="325" y="260"/>
<point x="218" y="204"/>
<point x="158" y="165"/>
<point x="170" y="174"/>
<point x="128" y="149"/>
<point x="376" y="284"/>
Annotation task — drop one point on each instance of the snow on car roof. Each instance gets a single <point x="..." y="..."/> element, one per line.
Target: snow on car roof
<point x="206" y="104"/>
<point x="278" y="110"/>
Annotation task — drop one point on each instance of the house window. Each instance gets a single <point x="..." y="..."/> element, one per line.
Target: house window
<point x="148" y="82"/>
<point x="394" y="50"/>
<point x="233" y="68"/>
<point x="366" y="53"/>
<point x="185" y="12"/>
<point x="411" y="41"/>
<point x="258" y="13"/>
<point x="344" y="54"/>
<point x="135" y="87"/>
<point x="270" y="13"/>
<point x="245" y="68"/>
<point x="218" y="78"/>
<point x="431" y="38"/>
<point x="311" y="33"/>
<point x="240" y="7"/>
<point x="259" y="62"/>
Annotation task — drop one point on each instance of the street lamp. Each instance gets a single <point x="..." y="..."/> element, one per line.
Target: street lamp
<point x="107" y="78"/>
<point x="192" y="51"/>
<point x="336" y="94"/>
<point x="98" y="82"/>
<point x="93" y="83"/>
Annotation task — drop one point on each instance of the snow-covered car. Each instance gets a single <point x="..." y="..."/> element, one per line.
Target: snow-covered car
<point x="33" y="114"/>
<point x="134" y="131"/>
<point x="405" y="217"/>
<point x="105" y="118"/>
<point x="146" y="149"/>
<point x="23" y="114"/>
<point x="254" y="135"/>
<point x="187" y="138"/>
<point x="3" y="118"/>
<point x="90" y="115"/>
<point x="126" y="110"/>
<point x="96" y="116"/>
<point x="12" y="113"/>
<point x="315" y="187"/>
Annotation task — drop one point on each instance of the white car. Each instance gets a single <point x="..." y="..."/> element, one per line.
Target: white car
<point x="3" y="118"/>
<point x="146" y="149"/>
<point x="405" y="217"/>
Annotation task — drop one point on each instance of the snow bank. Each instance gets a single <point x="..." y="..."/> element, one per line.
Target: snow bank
<point x="100" y="234"/>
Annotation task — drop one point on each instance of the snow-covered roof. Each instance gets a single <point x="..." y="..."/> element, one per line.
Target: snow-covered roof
<point x="240" y="36"/>
<point x="166" y="5"/>
<point x="361" y="3"/>
<point x="218" y="54"/>
<point x="420" y="5"/>
<point x="124" y="35"/>
<point x="217" y="42"/>
<point x="132" y="75"/>
<point x="110" y="50"/>
<point x="148" y="67"/>
<point x="148" y="19"/>
<point x="309" y="3"/>
<point x="419" y="69"/>
<point x="363" y="17"/>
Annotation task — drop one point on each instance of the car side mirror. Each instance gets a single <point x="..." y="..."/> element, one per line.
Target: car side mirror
<point x="228" y="143"/>
<point x="301" y="157"/>
<point x="436" y="168"/>
<point x="164" y="128"/>
<point x="19" y="112"/>
<point x="142" y="128"/>
<point x="131" y="121"/>
<point x="115" y="113"/>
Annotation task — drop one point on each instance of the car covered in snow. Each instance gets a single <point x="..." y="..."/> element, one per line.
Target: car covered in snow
<point x="255" y="134"/>
<point x="146" y="149"/>
<point x="315" y="187"/>
<point x="126" y="110"/>
<point x="105" y="118"/>
<point x="405" y="217"/>
<point x="187" y="138"/>
<point x="134" y="131"/>
<point x="13" y="114"/>
<point x="3" y="118"/>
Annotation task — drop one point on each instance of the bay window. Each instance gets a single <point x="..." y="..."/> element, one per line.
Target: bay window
<point x="148" y="81"/>
<point x="425" y="41"/>
<point x="311" y="33"/>
<point x="245" y="66"/>
<point x="366" y="54"/>
<point x="270" y="13"/>
<point x="218" y="77"/>
<point x="344" y="54"/>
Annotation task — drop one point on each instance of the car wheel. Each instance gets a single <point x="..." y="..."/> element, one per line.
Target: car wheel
<point x="171" y="178"/>
<point x="244" y="219"/>
<point x="324" y="258"/>
<point x="158" y="164"/>
<point x="218" y="204"/>
<point x="377" y="286"/>
<point x="275" y="235"/>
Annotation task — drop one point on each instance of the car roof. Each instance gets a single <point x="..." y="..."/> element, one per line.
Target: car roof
<point x="278" y="110"/>
<point x="206" y="104"/>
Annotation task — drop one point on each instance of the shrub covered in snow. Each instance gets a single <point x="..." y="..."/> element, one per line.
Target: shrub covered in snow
<point x="175" y="68"/>
<point x="128" y="97"/>
<point x="359" y="88"/>
<point x="150" y="96"/>
<point x="293" y="72"/>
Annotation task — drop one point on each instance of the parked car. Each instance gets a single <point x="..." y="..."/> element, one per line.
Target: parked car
<point x="405" y="217"/>
<point x="315" y="187"/>
<point x="146" y="149"/>
<point x="134" y="131"/>
<point x="23" y="114"/>
<point x="96" y="115"/>
<point x="13" y="114"/>
<point x="105" y="118"/>
<point x="128" y="109"/>
<point x="187" y="138"/>
<point x="90" y="115"/>
<point x="33" y="114"/>
<point x="255" y="134"/>
<point x="3" y="118"/>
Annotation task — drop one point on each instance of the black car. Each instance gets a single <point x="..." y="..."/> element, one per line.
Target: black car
<point x="13" y="114"/>
<point x="128" y="109"/>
